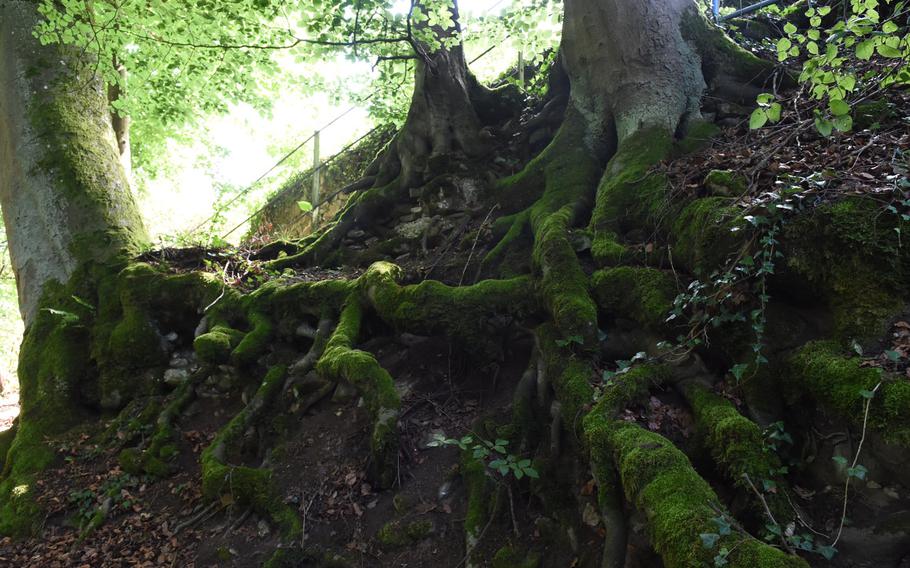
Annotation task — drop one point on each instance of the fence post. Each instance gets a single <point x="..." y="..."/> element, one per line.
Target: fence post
<point x="521" y="68"/>
<point x="316" y="180"/>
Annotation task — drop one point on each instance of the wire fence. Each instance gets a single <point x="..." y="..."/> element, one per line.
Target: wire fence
<point x="318" y="164"/>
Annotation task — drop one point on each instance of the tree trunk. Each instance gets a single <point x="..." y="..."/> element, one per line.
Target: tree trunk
<point x="441" y="119"/>
<point x="635" y="65"/>
<point x="65" y="198"/>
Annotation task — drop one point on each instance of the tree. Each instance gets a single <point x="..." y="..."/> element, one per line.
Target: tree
<point x="629" y="89"/>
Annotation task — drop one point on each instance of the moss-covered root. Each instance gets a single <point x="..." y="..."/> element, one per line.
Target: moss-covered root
<point x="341" y="361"/>
<point x="483" y="504"/>
<point x="570" y="170"/>
<point x="822" y="371"/>
<point x="247" y="485"/>
<point x="661" y="482"/>
<point x="644" y="295"/>
<point x="737" y="446"/>
<point x="474" y="315"/>
<point x="156" y="457"/>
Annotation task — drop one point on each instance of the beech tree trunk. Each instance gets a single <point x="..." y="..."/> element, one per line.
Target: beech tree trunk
<point x="638" y="64"/>
<point x="442" y="118"/>
<point x="65" y="198"/>
<point x="121" y="123"/>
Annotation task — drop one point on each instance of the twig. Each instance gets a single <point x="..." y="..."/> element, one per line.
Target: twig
<point x="859" y="448"/>
<point x="474" y="246"/>
<point x="764" y="503"/>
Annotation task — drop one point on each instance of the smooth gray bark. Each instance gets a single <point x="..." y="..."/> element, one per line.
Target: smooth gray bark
<point x="64" y="195"/>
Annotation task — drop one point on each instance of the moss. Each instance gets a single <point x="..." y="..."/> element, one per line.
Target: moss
<point x="630" y="194"/>
<point x="396" y="534"/>
<point x="872" y="114"/>
<point x="719" y="54"/>
<point x="848" y="255"/>
<point x="479" y="490"/>
<point x="725" y="183"/>
<point x="641" y="294"/>
<point x="215" y="346"/>
<point x="659" y="480"/>
<point x="341" y="361"/>
<point x="737" y="446"/>
<point x="570" y="375"/>
<point x="255" y="342"/>
<point x="512" y="557"/>
<point x="703" y="234"/>
<point x="467" y="314"/>
<point x="247" y="485"/>
<point x="6" y="440"/>
<point x="820" y="370"/>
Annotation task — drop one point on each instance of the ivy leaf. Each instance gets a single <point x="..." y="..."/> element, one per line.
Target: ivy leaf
<point x="789" y="28"/>
<point x="840" y="460"/>
<point x="867" y="394"/>
<point x="305" y="206"/>
<point x="857" y="471"/>
<point x="708" y="540"/>
<point x="894" y="356"/>
<point x="843" y="123"/>
<point x="773" y="112"/>
<point x="827" y="551"/>
<point x="838" y="107"/>
<point x="824" y="126"/>
<point x="738" y="370"/>
<point x="758" y="118"/>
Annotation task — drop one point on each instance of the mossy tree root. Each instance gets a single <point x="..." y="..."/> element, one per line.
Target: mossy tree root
<point x="248" y="486"/>
<point x="341" y="361"/>
<point x="737" y="446"/>
<point x="154" y="458"/>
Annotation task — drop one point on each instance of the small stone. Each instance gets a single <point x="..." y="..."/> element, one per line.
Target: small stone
<point x="305" y="330"/>
<point x="416" y="209"/>
<point x="356" y="234"/>
<point x="873" y="485"/>
<point x="263" y="528"/>
<point x="172" y="336"/>
<point x="444" y="490"/>
<point x="590" y="516"/>
<point x="174" y="377"/>
<point x="414" y="229"/>
<point x="179" y="362"/>
<point x="891" y="492"/>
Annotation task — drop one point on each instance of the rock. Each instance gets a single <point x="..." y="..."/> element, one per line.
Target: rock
<point x="174" y="377"/>
<point x="444" y="490"/>
<point x="371" y="241"/>
<point x="416" y="210"/>
<point x="728" y="109"/>
<point x="414" y="229"/>
<point x="356" y="234"/>
<point x="171" y="337"/>
<point x="410" y="340"/>
<point x="305" y="330"/>
<point x="590" y="516"/>
<point x="179" y="362"/>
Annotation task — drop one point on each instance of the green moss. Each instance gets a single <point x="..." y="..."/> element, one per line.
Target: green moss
<point x="512" y="557"/>
<point x="215" y="346"/>
<point x="570" y="375"/>
<point x="255" y="342"/>
<point x="480" y="505"/>
<point x="703" y="235"/>
<point x="821" y="371"/>
<point x="630" y="192"/>
<point x="396" y="534"/>
<point x="340" y="361"/>
<point x="725" y="183"/>
<point x="848" y="255"/>
<point x="872" y="114"/>
<point x="6" y="440"/>
<point x="737" y="446"/>
<point x="641" y="294"/>
<point x="659" y="480"/>
<point x="463" y="313"/>
<point x="247" y="485"/>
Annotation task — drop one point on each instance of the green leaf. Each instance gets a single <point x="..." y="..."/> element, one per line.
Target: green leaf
<point x="305" y="206"/>
<point x="824" y="126"/>
<point x="738" y="370"/>
<point x="888" y="51"/>
<point x="758" y="118"/>
<point x="826" y="551"/>
<point x="864" y="49"/>
<point x="893" y="356"/>
<point x="773" y="112"/>
<point x="840" y="460"/>
<point x="532" y="473"/>
<point x="789" y="28"/>
<point x="889" y="27"/>
<point x="858" y="472"/>
<point x="838" y="107"/>
<point x="843" y="123"/>
<point x="867" y="394"/>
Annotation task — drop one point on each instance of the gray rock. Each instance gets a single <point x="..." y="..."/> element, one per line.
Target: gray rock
<point x="174" y="377"/>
